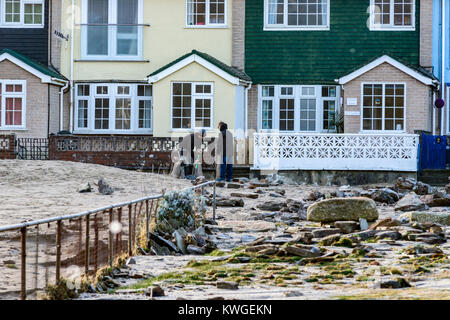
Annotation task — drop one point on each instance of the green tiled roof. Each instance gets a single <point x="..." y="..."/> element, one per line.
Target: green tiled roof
<point x="34" y="64"/>
<point x="320" y="57"/>
<point x="219" y="64"/>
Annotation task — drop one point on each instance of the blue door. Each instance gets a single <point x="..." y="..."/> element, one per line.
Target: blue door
<point x="434" y="152"/>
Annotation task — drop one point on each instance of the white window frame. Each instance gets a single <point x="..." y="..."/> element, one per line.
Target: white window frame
<point x="297" y="95"/>
<point x="21" y="24"/>
<point x="286" y="27"/>
<point x="194" y="96"/>
<point x="4" y="95"/>
<point x="112" y="34"/>
<point x="383" y="119"/>
<point x="207" y="17"/>
<point x="391" y="27"/>
<point x="112" y="96"/>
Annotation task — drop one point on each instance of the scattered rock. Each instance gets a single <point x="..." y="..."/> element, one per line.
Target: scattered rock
<point x="363" y="225"/>
<point x="301" y="252"/>
<point x="410" y="202"/>
<point x="433" y="217"/>
<point x="315" y="196"/>
<point x="224" y="202"/>
<point x="85" y="189"/>
<point x="405" y="183"/>
<point x="131" y="261"/>
<point x="322" y="233"/>
<point x="437" y="199"/>
<point x="388" y="222"/>
<point x="228" y="285"/>
<point x="155" y="291"/>
<point x="104" y="188"/>
<point x="258" y="184"/>
<point x="271" y="206"/>
<point x="328" y="241"/>
<point x="339" y="209"/>
<point x="393" y="235"/>
<point x="232" y="185"/>
<point x="303" y="237"/>
<point x="347" y="226"/>
<point x="245" y="195"/>
<point x="423" y="188"/>
<point x="385" y="195"/>
<point x="191" y="249"/>
<point x="395" y="284"/>
<point x="163" y="242"/>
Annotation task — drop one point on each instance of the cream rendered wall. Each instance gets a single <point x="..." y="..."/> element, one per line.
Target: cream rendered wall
<point x="223" y="105"/>
<point x="165" y="40"/>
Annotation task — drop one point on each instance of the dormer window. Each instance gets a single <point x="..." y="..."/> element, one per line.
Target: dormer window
<point x="21" y="13"/>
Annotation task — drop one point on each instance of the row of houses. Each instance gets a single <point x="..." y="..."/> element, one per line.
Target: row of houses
<point x="328" y="69"/>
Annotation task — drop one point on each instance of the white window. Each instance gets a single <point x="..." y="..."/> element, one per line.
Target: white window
<point x="298" y="108"/>
<point x="12" y="104"/>
<point x="204" y="13"/>
<point x="22" y="13"/>
<point x="392" y="15"/>
<point x="113" y="108"/>
<point x="192" y="105"/>
<point x="383" y="107"/>
<point x="296" y="14"/>
<point x="112" y="29"/>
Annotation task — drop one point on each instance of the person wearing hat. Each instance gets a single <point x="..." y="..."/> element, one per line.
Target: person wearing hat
<point x="225" y="152"/>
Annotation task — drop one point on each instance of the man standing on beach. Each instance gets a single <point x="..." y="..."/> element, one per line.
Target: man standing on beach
<point x="225" y="152"/>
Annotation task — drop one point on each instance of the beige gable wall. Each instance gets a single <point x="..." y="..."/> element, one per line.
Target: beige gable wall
<point x="36" y="102"/>
<point x="418" y="115"/>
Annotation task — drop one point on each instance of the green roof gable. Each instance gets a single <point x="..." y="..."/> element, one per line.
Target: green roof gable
<point x="219" y="64"/>
<point x="34" y="64"/>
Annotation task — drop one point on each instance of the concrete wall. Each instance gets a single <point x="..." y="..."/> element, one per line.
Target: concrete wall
<point x="418" y="100"/>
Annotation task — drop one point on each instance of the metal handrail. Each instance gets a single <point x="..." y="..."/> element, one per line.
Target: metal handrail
<point x="89" y="212"/>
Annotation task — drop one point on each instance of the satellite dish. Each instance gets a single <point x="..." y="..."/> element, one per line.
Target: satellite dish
<point x="439" y="103"/>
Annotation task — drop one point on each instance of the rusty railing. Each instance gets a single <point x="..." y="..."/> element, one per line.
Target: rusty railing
<point x="33" y="253"/>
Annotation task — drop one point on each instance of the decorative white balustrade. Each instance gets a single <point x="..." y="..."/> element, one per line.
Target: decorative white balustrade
<point x="300" y="151"/>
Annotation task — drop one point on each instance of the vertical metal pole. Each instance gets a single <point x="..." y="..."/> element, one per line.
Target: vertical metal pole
<point x="111" y="239"/>
<point x="86" y="247"/>
<point x="23" y="238"/>
<point x="214" y="202"/>
<point x="58" y="250"/>
<point x="95" y="244"/>
<point x="119" y="236"/>
<point x="130" y="229"/>
<point x="147" y="219"/>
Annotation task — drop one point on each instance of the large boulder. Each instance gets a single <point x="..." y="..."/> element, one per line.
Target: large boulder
<point x="343" y="209"/>
<point x="428" y="217"/>
<point x="437" y="199"/>
<point x="271" y="205"/>
<point x="385" y="195"/>
<point x="410" y="202"/>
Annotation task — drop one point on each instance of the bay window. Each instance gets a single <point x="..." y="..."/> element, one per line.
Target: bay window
<point x="392" y="15"/>
<point x="112" y="29"/>
<point x="113" y="108"/>
<point x="296" y="14"/>
<point x="203" y="13"/>
<point x="12" y="104"/>
<point x="192" y="105"/>
<point x="297" y="108"/>
<point x="383" y="107"/>
<point x="22" y="13"/>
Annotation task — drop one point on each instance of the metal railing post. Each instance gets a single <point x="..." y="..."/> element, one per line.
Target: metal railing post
<point x="214" y="201"/>
<point x="23" y="240"/>
<point x="130" y="229"/>
<point x="147" y="219"/>
<point x="58" y="250"/>
<point x="111" y="239"/>
<point x="86" y="248"/>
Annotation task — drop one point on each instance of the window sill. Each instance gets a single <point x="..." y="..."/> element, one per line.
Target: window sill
<point x="111" y="132"/>
<point x="392" y="28"/>
<point x="13" y="129"/>
<point x="112" y="60"/>
<point x="23" y="26"/>
<point x="207" y="27"/>
<point x="327" y="28"/>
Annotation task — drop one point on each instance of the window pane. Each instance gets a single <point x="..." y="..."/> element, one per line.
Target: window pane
<point x="101" y="114"/>
<point x="82" y="113"/>
<point x="267" y="114"/>
<point x="97" y="35"/>
<point x="329" y="115"/>
<point x="13" y="111"/>
<point x="307" y="12"/>
<point x="181" y="105"/>
<point x="268" y="91"/>
<point x="144" y="91"/>
<point x="196" y="15"/>
<point x="32" y="13"/>
<point x="203" y="113"/>
<point x="123" y="114"/>
<point x="276" y="12"/>
<point x="127" y="36"/>
<point x="217" y="11"/>
<point x="287" y="114"/>
<point x="145" y="114"/>
<point x="12" y="11"/>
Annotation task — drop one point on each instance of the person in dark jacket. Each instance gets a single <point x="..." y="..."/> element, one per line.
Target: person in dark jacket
<point x="225" y="152"/>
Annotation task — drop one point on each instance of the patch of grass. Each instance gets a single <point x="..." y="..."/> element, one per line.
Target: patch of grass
<point x="11" y="266"/>
<point x="343" y="242"/>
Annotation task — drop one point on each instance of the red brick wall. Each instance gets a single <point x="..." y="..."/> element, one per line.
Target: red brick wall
<point x="7" y="147"/>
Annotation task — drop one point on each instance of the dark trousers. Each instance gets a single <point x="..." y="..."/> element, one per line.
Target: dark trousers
<point x="226" y="170"/>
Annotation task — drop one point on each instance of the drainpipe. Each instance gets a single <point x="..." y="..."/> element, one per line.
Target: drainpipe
<point x="434" y="113"/>
<point x="61" y="106"/>
<point x="71" y="67"/>
<point x="246" y="110"/>
<point x="443" y="64"/>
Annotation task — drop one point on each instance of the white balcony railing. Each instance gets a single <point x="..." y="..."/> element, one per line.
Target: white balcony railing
<point x="300" y="151"/>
